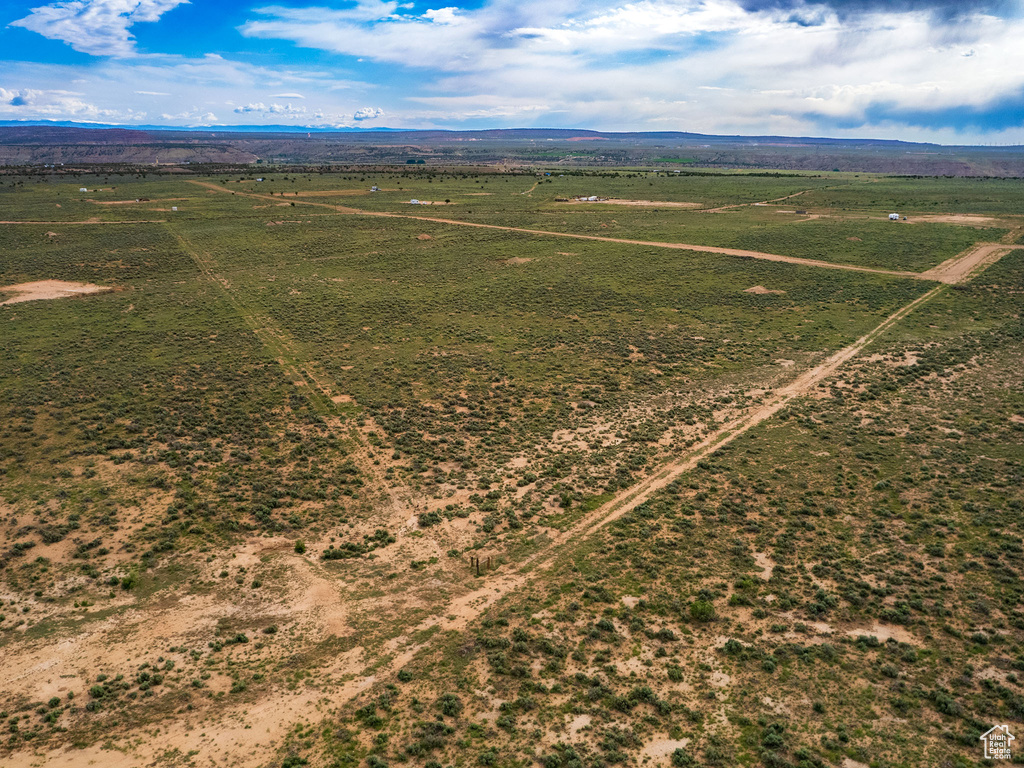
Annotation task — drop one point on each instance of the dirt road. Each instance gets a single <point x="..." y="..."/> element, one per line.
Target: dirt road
<point x="962" y="266"/>
<point x="89" y="221"/>
<point x="741" y="253"/>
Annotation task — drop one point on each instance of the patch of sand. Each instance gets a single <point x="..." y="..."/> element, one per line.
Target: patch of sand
<point x="761" y="290"/>
<point x="639" y="203"/>
<point x="884" y="633"/>
<point x="141" y="202"/>
<point x="48" y="289"/>
<point x="663" y="748"/>
<point x="955" y="218"/>
<point x="578" y="724"/>
<point x="424" y="237"/>
<point x="765" y="563"/>
<point x="517" y="260"/>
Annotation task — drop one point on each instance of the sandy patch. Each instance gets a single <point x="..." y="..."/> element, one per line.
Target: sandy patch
<point x="884" y="633"/>
<point x="139" y="201"/>
<point x="578" y="724"/>
<point x="639" y="203"/>
<point x="424" y="237"/>
<point x="429" y="202"/>
<point x="720" y="679"/>
<point x="1017" y="419"/>
<point x="518" y="260"/>
<point x="761" y="290"/>
<point x="342" y="399"/>
<point x="765" y="563"/>
<point x="48" y="289"/>
<point x="855" y="240"/>
<point x="663" y="748"/>
<point x="955" y="218"/>
<point x="630" y="601"/>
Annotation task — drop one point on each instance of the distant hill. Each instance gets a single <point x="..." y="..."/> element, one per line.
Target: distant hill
<point x="70" y="143"/>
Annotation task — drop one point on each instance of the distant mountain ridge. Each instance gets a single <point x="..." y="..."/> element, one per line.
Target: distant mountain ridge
<point x="13" y="131"/>
<point x="75" y="144"/>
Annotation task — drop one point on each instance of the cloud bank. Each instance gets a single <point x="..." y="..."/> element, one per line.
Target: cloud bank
<point x="97" y="27"/>
<point x="914" y="69"/>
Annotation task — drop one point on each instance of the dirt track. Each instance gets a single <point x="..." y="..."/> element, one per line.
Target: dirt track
<point x="962" y="266"/>
<point x="648" y="243"/>
<point x="88" y="221"/>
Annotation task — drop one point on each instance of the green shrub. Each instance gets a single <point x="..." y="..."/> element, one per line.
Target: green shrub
<point x="702" y="610"/>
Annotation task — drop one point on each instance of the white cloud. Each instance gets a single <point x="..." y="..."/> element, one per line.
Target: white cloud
<point x="695" y="65"/>
<point x="195" y="116"/>
<point x="259" y="108"/>
<point x="701" y="65"/>
<point x="32" y="103"/>
<point x="97" y="27"/>
<point x="368" y="113"/>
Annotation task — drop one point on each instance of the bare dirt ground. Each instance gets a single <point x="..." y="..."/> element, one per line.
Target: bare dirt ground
<point x="48" y="289"/>
<point x="967" y="219"/>
<point x="138" y="202"/>
<point x="637" y="203"/>
<point x="761" y="291"/>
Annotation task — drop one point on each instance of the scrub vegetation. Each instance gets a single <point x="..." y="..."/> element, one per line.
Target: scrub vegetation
<point x="501" y="478"/>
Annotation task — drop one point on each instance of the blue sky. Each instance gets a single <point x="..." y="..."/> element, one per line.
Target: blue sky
<point x="920" y="70"/>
